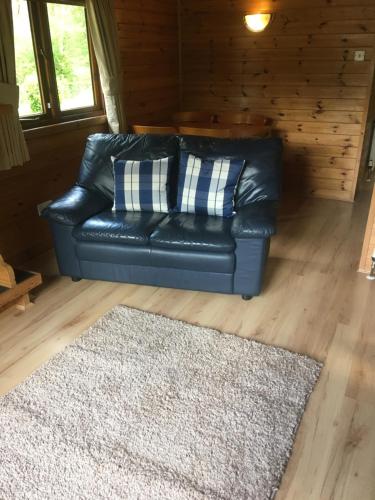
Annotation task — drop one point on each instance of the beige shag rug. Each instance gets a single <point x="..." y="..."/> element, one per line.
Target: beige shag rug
<point x="144" y="407"/>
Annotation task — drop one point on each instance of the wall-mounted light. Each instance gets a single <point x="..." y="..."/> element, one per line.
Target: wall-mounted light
<point x="257" y="22"/>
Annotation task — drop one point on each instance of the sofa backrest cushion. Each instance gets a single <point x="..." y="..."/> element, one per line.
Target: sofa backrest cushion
<point x="260" y="179"/>
<point x="96" y="170"/>
<point x="261" y="176"/>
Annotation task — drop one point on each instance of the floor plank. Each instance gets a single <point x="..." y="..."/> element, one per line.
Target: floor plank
<point x="314" y="302"/>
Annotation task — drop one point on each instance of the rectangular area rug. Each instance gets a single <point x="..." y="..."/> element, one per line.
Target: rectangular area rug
<point x="145" y="407"/>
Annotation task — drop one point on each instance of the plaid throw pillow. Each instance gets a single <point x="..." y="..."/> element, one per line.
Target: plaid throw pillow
<point x="207" y="186"/>
<point x="141" y="185"/>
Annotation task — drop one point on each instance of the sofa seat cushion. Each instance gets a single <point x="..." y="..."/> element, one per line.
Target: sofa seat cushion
<point x="131" y="228"/>
<point x="194" y="232"/>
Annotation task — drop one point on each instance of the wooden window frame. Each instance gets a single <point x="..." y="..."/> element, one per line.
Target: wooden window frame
<point x="42" y="45"/>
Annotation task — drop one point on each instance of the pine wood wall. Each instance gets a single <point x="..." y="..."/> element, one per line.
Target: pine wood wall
<point x="148" y="36"/>
<point x="300" y="71"/>
<point x="55" y="160"/>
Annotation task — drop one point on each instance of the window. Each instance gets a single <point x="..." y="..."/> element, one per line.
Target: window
<point x="56" y="70"/>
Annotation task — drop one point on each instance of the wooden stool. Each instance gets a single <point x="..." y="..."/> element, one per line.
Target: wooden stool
<point x="15" y="286"/>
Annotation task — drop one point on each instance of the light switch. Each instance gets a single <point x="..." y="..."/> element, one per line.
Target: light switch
<point x="359" y="55"/>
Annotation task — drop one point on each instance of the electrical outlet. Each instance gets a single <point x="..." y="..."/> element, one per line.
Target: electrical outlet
<point x="359" y="55"/>
<point x="41" y="206"/>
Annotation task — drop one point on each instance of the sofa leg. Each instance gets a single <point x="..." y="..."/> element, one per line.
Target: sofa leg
<point x="246" y="297"/>
<point x="75" y="278"/>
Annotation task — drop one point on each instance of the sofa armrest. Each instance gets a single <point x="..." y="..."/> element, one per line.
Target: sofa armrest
<point x="255" y="220"/>
<point x="75" y="206"/>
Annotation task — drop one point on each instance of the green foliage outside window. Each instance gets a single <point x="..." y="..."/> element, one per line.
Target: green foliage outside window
<point x="70" y="53"/>
<point x="27" y="77"/>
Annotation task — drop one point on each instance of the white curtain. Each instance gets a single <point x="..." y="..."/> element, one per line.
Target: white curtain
<point x="102" y="26"/>
<point x="13" y="149"/>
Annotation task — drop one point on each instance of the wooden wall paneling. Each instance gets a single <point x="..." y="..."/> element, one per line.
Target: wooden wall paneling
<point x="148" y="38"/>
<point x="55" y="160"/>
<point x="306" y="40"/>
<point x="276" y="5"/>
<point x="300" y="71"/>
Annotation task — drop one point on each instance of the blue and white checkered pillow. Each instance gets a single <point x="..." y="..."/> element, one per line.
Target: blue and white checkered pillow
<point x="207" y="186"/>
<point x="141" y="185"/>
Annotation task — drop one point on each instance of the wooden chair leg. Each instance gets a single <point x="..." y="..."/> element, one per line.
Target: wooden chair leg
<point x="15" y="286"/>
<point x="7" y="277"/>
<point x="24" y="302"/>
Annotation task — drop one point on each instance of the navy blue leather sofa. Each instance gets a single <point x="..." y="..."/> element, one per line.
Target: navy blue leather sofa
<point x="172" y="250"/>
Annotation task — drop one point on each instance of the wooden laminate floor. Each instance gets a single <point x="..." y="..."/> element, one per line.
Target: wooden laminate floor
<point x="314" y="302"/>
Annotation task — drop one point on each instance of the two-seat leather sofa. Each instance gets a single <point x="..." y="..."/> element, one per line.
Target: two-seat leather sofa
<point x="175" y="250"/>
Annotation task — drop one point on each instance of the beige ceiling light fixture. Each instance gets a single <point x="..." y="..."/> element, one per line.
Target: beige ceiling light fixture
<point x="257" y="22"/>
